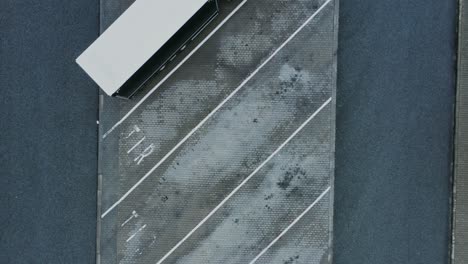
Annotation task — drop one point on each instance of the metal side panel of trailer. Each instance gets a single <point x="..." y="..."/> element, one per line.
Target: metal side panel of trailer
<point x="142" y="40"/>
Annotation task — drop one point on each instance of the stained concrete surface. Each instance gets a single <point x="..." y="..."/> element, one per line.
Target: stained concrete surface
<point x="460" y="193"/>
<point x="177" y="194"/>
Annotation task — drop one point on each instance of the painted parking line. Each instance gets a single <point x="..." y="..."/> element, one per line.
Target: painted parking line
<point x="189" y="234"/>
<point x="138" y="231"/>
<point x="173" y="70"/>
<point x="290" y="226"/>
<point x="180" y="143"/>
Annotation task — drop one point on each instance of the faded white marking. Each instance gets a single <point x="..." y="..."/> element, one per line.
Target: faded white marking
<point x="214" y="110"/>
<point x="290" y="226"/>
<point x="132" y="236"/>
<point x="243" y="182"/>
<point x="152" y="241"/>
<point x="136" y="129"/>
<point x="136" y="145"/>
<point x="148" y="151"/>
<point x="138" y="251"/>
<point x="134" y="215"/>
<point x="174" y="70"/>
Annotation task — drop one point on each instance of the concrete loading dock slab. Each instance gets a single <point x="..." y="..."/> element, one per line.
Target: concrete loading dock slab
<point x="229" y="158"/>
<point x="460" y="195"/>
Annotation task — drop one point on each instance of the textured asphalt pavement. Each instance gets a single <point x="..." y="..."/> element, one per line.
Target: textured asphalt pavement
<point x="48" y="136"/>
<point x="394" y="132"/>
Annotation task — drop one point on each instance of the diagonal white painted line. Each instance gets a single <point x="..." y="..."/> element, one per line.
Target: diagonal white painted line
<point x="173" y="70"/>
<point x="213" y="112"/>
<point x="243" y="182"/>
<point x="290" y="226"/>
<point x="132" y="236"/>
<point x="136" y="145"/>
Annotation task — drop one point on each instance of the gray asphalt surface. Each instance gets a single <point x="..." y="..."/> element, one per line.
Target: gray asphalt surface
<point x="394" y="121"/>
<point x="48" y="136"/>
<point x="394" y="131"/>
